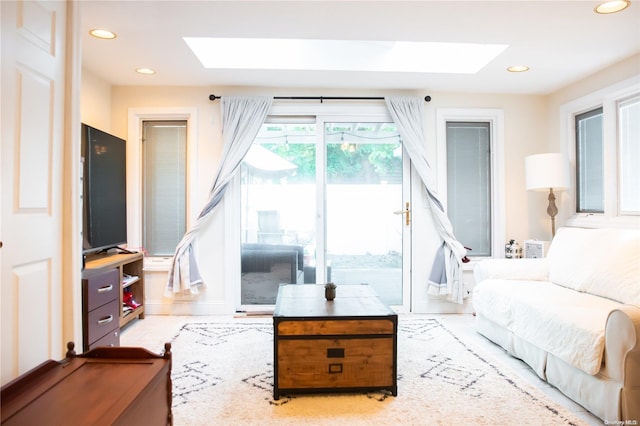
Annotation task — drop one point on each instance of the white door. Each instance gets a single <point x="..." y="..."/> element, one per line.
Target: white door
<point x="31" y="215"/>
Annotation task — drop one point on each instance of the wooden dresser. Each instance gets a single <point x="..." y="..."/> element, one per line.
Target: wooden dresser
<point x="348" y="344"/>
<point x="105" y="386"/>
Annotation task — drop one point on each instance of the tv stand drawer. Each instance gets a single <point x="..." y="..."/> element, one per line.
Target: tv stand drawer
<point x="102" y="320"/>
<point x="100" y="288"/>
<point x="111" y="339"/>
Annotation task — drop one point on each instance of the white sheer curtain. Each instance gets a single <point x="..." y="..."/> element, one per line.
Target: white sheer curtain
<point x="242" y="117"/>
<point x="446" y="272"/>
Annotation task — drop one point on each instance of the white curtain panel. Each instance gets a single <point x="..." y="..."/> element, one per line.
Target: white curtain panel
<point x="242" y="117"/>
<point x="446" y="273"/>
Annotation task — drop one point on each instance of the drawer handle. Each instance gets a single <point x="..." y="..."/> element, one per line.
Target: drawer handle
<point x="335" y="352"/>
<point x="335" y="368"/>
<point x="105" y="320"/>
<point x="105" y="289"/>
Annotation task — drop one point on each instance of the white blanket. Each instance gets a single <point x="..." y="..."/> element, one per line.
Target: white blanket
<point x="561" y="321"/>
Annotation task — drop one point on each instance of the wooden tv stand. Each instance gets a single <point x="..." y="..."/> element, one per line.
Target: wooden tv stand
<point x="105" y="386"/>
<point x="105" y="278"/>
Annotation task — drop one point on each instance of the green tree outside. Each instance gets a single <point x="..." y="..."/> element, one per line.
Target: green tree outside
<point x="346" y="163"/>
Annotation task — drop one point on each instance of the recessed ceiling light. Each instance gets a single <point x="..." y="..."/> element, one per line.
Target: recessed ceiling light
<point x="343" y="55"/>
<point x="612" y="6"/>
<point x="518" y="68"/>
<point x="145" y="71"/>
<point x="103" y="34"/>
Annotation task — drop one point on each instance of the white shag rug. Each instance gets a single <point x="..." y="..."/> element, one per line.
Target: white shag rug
<point x="223" y="375"/>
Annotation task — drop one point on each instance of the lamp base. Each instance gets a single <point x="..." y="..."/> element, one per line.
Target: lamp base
<point x="552" y="211"/>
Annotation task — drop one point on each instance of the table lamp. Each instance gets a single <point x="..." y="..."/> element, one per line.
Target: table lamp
<point x="547" y="171"/>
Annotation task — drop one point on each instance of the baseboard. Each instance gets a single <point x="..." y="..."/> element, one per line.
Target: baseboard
<point x="178" y="307"/>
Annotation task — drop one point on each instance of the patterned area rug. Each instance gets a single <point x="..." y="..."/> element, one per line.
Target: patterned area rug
<point x="223" y="374"/>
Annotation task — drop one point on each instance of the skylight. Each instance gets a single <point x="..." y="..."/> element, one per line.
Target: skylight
<point x="342" y="55"/>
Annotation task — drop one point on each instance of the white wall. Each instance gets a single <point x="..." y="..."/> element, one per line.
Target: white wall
<point x="524" y="118"/>
<point x="95" y="101"/>
<point x="523" y="131"/>
<point x="531" y="126"/>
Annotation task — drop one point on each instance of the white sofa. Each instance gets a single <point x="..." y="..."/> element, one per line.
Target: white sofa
<point x="573" y="316"/>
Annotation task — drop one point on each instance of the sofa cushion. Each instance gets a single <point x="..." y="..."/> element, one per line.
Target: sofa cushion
<point x="603" y="262"/>
<point x="561" y="321"/>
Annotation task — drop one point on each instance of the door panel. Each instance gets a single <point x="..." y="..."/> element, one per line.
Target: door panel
<point x="278" y="209"/>
<point x="364" y="188"/>
<point x="33" y="60"/>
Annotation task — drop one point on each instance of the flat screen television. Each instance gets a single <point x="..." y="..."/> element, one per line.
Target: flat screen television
<point x="104" y="190"/>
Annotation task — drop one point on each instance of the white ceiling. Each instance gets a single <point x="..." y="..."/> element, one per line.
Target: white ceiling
<point x="562" y="41"/>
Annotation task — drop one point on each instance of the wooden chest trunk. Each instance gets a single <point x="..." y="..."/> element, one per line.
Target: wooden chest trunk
<point x="105" y="386"/>
<point x="349" y="344"/>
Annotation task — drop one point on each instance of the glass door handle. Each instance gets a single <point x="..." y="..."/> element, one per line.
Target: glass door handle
<point x="406" y="212"/>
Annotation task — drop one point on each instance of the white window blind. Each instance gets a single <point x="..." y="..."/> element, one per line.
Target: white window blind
<point x="469" y="184"/>
<point x="590" y="162"/>
<point x="164" y="185"/>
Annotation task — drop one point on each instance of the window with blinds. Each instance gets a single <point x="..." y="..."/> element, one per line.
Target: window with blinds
<point x="469" y="184"/>
<point x="589" y="162"/>
<point x="164" y="185"/>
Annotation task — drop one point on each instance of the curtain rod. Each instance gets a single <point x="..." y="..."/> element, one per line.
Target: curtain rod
<point x="326" y="98"/>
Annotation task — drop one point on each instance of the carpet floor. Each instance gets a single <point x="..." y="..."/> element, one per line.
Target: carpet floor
<point x="223" y="374"/>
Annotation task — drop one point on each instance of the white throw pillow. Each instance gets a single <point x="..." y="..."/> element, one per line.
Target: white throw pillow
<point x="604" y="262"/>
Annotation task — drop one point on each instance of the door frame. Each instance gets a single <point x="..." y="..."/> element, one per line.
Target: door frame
<point x="323" y="113"/>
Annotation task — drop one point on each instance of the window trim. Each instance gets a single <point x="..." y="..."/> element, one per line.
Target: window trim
<point x="636" y="98"/>
<point x="495" y="118"/>
<point x="134" y="173"/>
<point x="608" y="99"/>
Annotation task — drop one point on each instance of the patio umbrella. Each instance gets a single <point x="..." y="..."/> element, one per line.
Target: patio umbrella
<point x="261" y="159"/>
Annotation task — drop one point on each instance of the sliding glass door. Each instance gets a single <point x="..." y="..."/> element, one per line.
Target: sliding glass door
<point x="278" y="211"/>
<point x="363" y="189"/>
<point x="317" y="204"/>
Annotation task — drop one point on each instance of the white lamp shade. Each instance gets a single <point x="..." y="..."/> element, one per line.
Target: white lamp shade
<point x="545" y="171"/>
